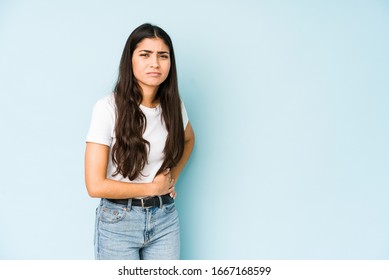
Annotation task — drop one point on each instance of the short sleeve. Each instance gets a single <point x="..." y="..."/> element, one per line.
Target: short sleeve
<point x="102" y="123"/>
<point x="185" y="118"/>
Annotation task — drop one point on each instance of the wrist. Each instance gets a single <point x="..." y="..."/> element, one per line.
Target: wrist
<point x="151" y="189"/>
<point x="175" y="174"/>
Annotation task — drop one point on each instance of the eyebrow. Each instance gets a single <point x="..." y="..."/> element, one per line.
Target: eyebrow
<point x="148" y="51"/>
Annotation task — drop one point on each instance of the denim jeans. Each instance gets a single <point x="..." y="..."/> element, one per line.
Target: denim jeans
<point x="125" y="232"/>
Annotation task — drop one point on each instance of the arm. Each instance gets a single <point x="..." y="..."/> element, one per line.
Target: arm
<point x="97" y="184"/>
<point x="189" y="144"/>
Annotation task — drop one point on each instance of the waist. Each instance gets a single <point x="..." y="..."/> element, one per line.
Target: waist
<point x="154" y="201"/>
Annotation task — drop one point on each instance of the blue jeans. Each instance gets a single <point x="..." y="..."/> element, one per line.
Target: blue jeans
<point x="125" y="232"/>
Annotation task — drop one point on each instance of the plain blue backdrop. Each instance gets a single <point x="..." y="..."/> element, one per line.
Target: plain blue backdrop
<point x="289" y="101"/>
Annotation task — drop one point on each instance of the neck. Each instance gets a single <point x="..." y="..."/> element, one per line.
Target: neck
<point x="148" y="97"/>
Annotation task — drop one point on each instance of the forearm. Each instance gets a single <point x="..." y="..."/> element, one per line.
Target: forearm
<point x="188" y="148"/>
<point x="108" y="188"/>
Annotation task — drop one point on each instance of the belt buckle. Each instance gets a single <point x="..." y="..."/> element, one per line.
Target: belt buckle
<point x="143" y="200"/>
<point x="142" y="203"/>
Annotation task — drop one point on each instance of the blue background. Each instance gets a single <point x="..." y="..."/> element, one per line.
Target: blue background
<point x="289" y="101"/>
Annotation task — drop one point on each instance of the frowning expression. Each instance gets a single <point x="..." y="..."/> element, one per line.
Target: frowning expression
<point x="151" y="63"/>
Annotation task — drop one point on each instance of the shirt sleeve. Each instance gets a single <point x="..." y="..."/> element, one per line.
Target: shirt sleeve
<point x="185" y="118"/>
<point x="102" y="123"/>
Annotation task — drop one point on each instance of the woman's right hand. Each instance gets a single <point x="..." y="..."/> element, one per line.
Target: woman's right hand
<point x="163" y="183"/>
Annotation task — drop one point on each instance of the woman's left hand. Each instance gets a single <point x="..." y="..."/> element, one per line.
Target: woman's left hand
<point x="173" y="194"/>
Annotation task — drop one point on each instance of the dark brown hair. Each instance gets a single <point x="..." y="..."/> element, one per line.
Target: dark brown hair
<point x="130" y="151"/>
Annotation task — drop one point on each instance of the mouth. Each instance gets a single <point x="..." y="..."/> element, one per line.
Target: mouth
<point x="154" y="74"/>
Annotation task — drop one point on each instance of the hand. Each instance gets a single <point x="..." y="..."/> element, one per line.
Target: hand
<point x="163" y="183"/>
<point x="173" y="194"/>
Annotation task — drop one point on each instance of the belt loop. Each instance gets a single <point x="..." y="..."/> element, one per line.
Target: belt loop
<point x="129" y="204"/>
<point x="160" y="202"/>
<point x="142" y="202"/>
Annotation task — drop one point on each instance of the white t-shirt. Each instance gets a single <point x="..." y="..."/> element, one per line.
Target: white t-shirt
<point x="102" y="131"/>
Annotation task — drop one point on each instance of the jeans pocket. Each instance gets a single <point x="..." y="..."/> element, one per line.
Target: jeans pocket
<point x="169" y="208"/>
<point x="111" y="213"/>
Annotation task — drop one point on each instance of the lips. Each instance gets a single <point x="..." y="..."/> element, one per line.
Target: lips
<point x="154" y="74"/>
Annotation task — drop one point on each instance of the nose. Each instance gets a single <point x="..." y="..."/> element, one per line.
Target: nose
<point x="154" y="61"/>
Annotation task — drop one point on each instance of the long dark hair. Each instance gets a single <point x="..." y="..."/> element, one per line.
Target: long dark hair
<point x="130" y="151"/>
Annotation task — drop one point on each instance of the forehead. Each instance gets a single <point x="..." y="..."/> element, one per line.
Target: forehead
<point x="152" y="44"/>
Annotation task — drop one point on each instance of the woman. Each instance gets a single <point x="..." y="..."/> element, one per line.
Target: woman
<point x="138" y="143"/>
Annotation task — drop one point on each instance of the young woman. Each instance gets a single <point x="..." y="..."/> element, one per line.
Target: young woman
<point x="138" y="143"/>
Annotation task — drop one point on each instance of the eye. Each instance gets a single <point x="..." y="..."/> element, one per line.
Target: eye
<point x="165" y="56"/>
<point x="144" y="54"/>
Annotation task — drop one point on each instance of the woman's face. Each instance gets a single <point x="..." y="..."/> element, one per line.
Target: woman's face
<point x="151" y="63"/>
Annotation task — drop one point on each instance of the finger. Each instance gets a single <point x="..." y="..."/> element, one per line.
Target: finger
<point x="173" y="194"/>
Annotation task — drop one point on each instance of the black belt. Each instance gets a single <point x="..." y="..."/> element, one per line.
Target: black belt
<point x="155" y="201"/>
